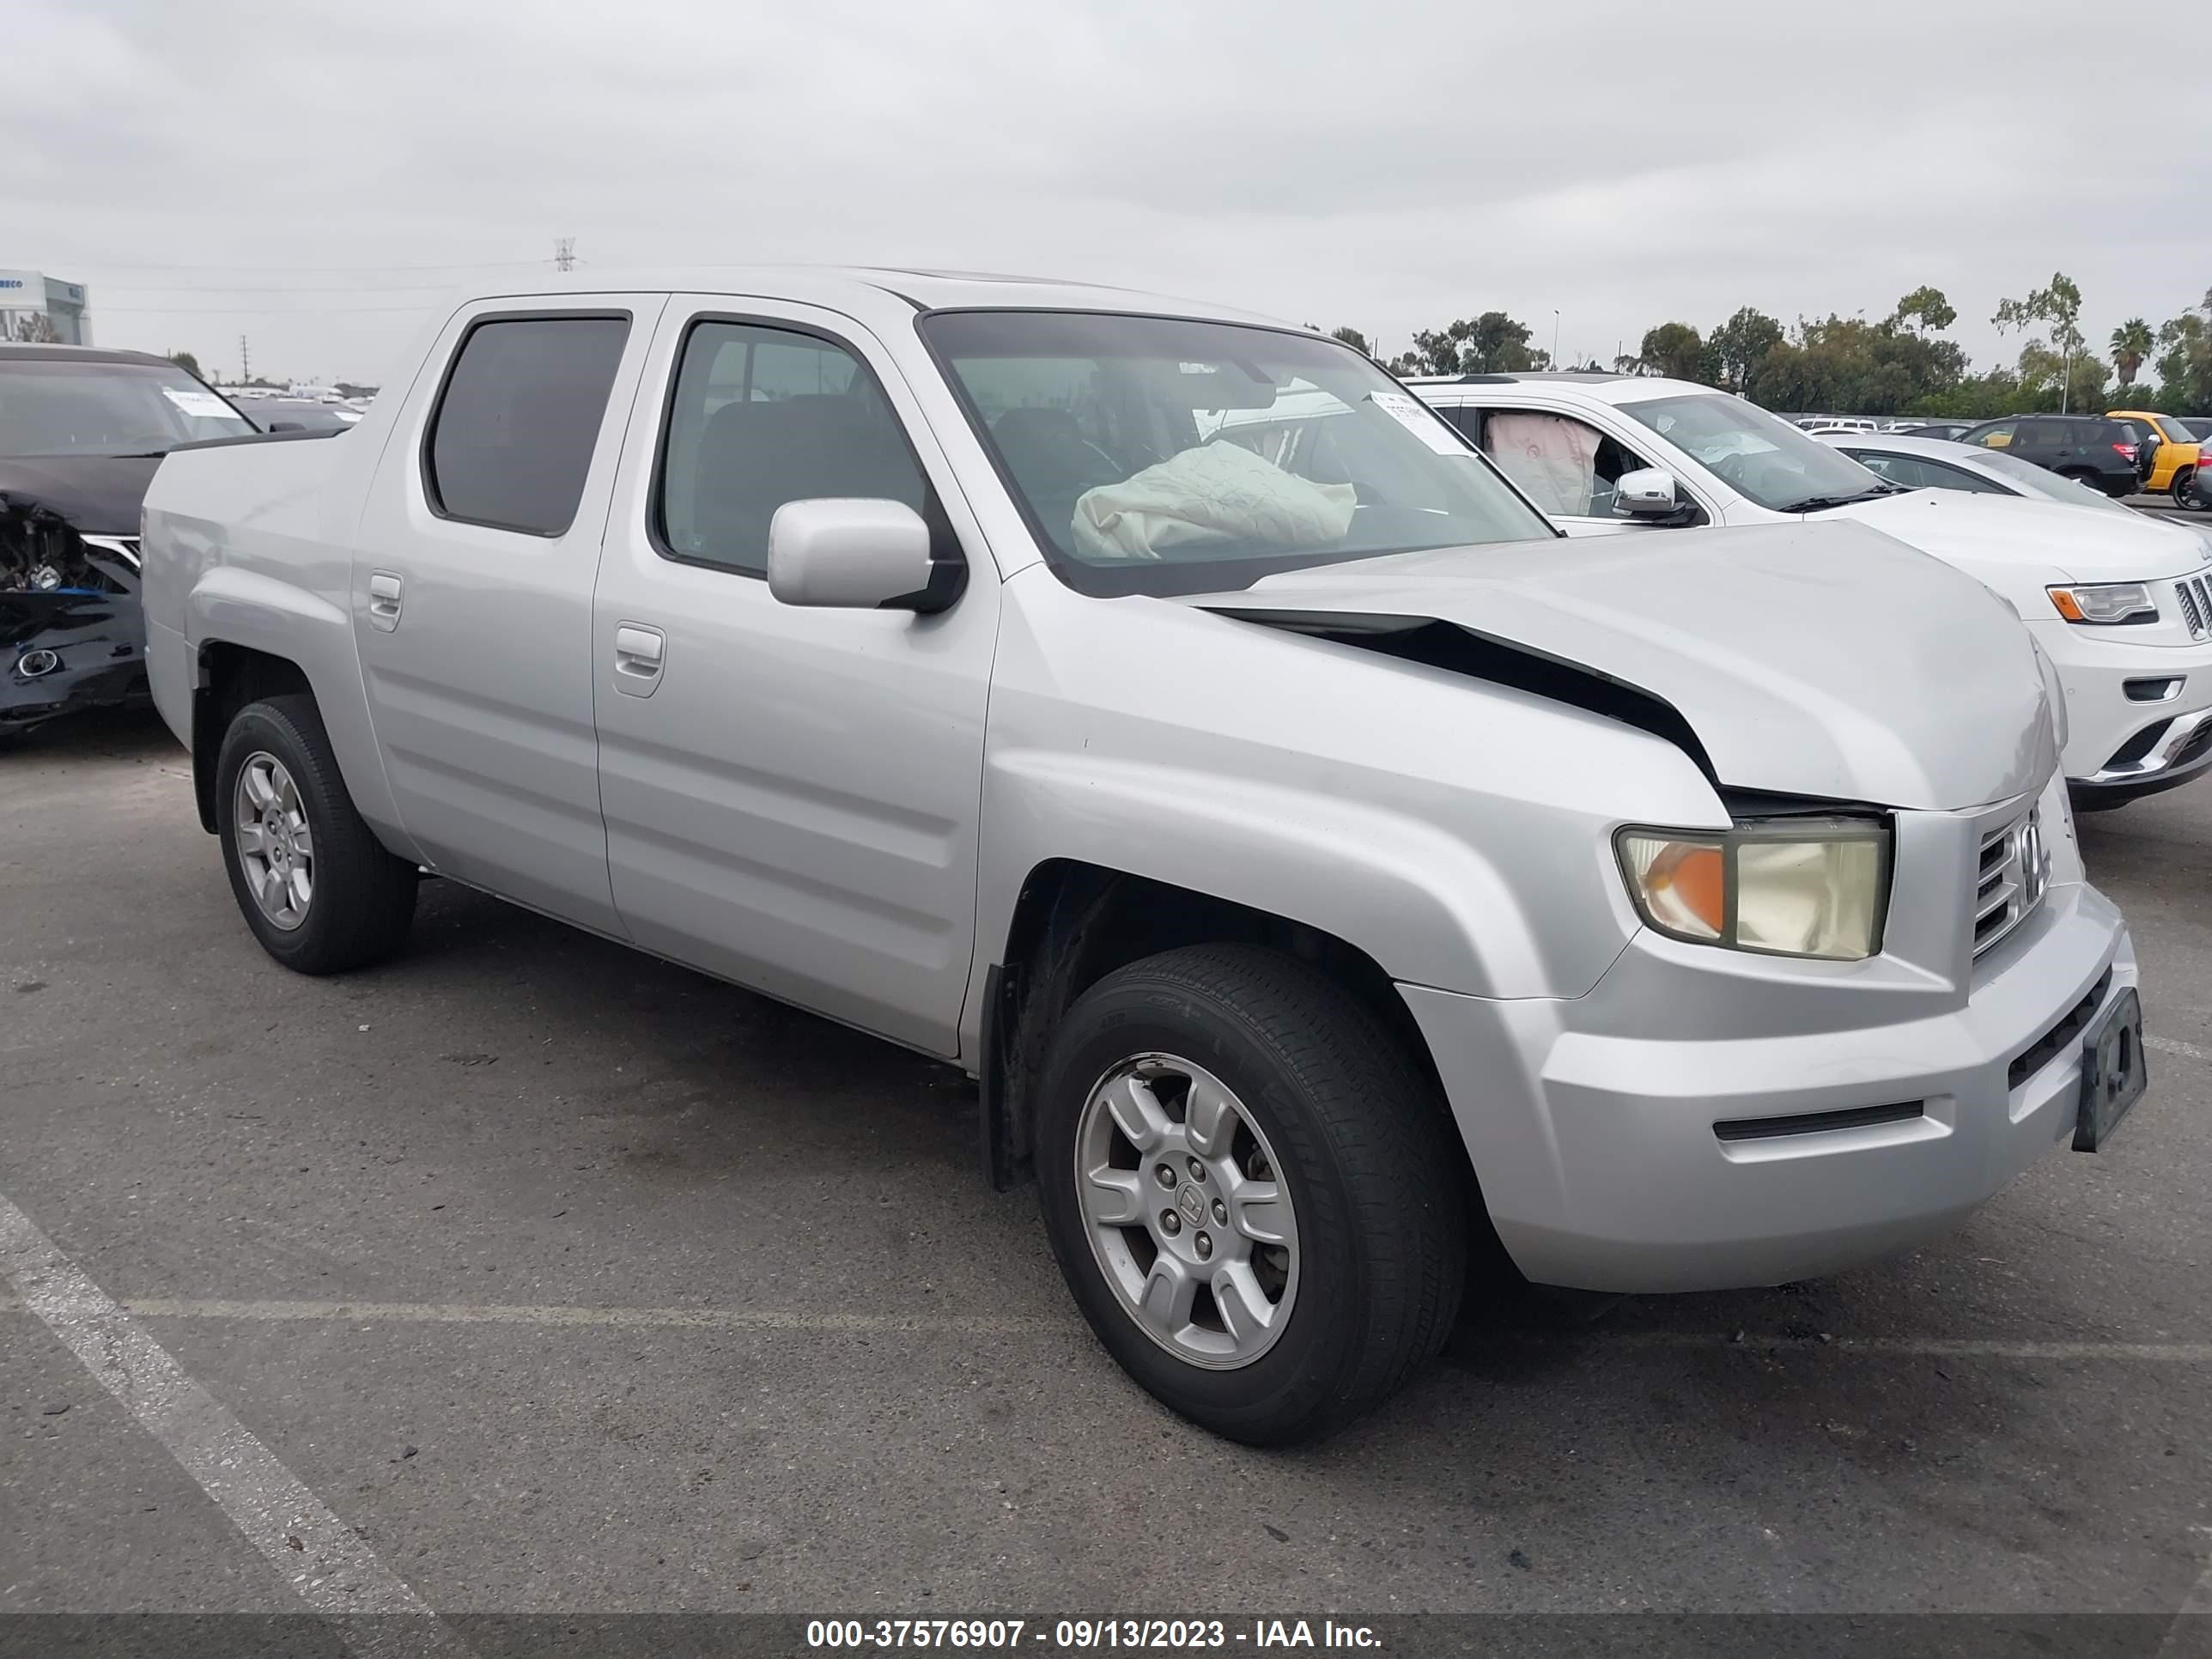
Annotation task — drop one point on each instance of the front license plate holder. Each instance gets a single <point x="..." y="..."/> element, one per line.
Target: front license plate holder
<point x="2112" y="1074"/>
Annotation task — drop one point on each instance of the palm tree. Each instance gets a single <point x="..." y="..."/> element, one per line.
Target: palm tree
<point x="2131" y="343"/>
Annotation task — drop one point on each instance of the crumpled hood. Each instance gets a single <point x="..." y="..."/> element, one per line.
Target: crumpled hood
<point x="1816" y="659"/>
<point x="2084" y="544"/>
<point x="95" y="494"/>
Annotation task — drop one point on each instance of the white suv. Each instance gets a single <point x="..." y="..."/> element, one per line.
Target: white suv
<point x="2122" y="604"/>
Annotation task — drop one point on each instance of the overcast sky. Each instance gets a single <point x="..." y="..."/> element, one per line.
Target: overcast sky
<point x="315" y="172"/>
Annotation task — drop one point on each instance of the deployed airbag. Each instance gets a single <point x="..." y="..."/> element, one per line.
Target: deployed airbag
<point x="1215" y="492"/>
<point x="1554" y="459"/>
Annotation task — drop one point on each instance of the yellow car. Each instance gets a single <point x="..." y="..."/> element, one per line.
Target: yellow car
<point x="2175" y="458"/>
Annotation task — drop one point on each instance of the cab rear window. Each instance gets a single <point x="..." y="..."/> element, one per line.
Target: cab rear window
<point x="511" y="437"/>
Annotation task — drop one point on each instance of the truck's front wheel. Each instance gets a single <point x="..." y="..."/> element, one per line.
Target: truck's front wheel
<point x="314" y="884"/>
<point x="1252" y="1191"/>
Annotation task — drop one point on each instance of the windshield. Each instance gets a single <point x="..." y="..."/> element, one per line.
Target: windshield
<point x="60" y="407"/>
<point x="2199" y="430"/>
<point x="1767" y="459"/>
<point x="2040" y="482"/>
<point x="1154" y="455"/>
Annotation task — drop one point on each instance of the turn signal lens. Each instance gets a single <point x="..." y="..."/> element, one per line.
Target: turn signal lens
<point x="1684" y="883"/>
<point x="1798" y="887"/>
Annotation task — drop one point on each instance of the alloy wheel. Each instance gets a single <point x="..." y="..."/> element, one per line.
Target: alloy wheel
<point x="275" y="847"/>
<point x="1187" y="1211"/>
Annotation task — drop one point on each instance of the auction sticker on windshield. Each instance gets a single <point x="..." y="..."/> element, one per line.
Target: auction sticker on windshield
<point x="200" y="405"/>
<point x="1410" y="413"/>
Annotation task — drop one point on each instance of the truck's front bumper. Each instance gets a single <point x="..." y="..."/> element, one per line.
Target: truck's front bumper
<point x="1594" y="1133"/>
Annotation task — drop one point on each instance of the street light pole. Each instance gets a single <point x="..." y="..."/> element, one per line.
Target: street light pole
<point x="1555" y="338"/>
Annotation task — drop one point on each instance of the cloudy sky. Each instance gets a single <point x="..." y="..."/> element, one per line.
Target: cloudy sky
<point x="315" y="173"/>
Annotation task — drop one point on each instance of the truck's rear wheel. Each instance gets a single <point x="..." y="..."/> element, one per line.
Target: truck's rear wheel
<point x="314" y="884"/>
<point x="1252" y="1191"/>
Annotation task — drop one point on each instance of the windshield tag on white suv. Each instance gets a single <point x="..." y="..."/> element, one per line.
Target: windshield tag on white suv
<point x="201" y="405"/>
<point x="1408" y="412"/>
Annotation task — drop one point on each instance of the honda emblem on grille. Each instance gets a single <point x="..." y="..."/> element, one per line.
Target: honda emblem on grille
<point x="2034" y="864"/>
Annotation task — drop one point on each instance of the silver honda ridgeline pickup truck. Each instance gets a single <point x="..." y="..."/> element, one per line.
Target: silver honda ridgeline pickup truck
<point x="1330" y="874"/>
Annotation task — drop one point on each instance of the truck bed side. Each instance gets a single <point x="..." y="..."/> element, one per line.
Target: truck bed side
<point x="248" y="556"/>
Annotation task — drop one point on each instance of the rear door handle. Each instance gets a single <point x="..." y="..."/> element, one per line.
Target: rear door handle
<point x="385" y="589"/>
<point x="639" y="653"/>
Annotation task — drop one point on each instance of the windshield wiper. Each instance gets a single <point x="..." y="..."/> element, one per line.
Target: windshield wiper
<point x="1822" y="503"/>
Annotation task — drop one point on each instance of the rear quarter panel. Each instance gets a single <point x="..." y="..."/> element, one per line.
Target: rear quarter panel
<point x="249" y="544"/>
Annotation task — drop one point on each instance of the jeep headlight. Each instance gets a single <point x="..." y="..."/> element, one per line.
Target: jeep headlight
<point x="2106" y="604"/>
<point x="1792" y="887"/>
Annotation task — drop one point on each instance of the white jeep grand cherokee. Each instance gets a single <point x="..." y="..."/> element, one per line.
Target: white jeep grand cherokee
<point x="2122" y="604"/>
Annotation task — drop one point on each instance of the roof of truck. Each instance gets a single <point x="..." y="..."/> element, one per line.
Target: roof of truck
<point x="845" y="286"/>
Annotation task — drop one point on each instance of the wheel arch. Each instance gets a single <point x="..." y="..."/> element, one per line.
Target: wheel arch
<point x="227" y="677"/>
<point x="1074" y="922"/>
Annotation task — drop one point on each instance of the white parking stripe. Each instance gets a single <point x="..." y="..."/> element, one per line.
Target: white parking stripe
<point x="728" y="1319"/>
<point x="833" y="1324"/>
<point x="2169" y="1046"/>
<point x="332" y="1569"/>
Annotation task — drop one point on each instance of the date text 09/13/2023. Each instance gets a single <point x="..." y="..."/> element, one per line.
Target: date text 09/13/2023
<point x="1081" y="1635"/>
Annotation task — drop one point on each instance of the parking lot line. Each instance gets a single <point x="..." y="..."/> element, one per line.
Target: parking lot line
<point x="2169" y="1046"/>
<point x="328" y="1565"/>
<point x="832" y="1324"/>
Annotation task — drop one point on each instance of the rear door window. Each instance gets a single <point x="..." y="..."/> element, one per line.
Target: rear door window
<point x="511" y="437"/>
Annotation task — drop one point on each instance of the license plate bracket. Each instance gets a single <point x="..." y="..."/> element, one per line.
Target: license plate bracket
<point x="2113" y="1077"/>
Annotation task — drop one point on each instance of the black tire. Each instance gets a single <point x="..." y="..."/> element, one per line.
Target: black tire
<point x="1373" y="1169"/>
<point x="2184" y="491"/>
<point x="363" y="898"/>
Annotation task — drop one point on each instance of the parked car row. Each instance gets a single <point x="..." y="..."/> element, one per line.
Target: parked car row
<point x="1548" y="826"/>
<point x="2124" y="452"/>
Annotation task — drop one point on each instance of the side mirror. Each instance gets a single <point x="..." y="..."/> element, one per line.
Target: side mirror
<point x="1646" y="493"/>
<point x="858" y="555"/>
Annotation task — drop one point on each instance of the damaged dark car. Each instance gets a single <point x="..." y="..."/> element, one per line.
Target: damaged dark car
<point x="81" y="433"/>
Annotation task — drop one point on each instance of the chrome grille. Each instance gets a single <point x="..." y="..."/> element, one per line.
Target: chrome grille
<point x="2012" y="873"/>
<point x="124" y="547"/>
<point x="2190" y="613"/>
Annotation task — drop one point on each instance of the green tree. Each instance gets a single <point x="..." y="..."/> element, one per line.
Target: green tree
<point x="186" y="361"/>
<point x="1923" y="311"/>
<point x="2185" y="362"/>
<point x="1740" y="344"/>
<point x="2131" y="343"/>
<point x="2052" y="379"/>
<point x="1852" y="365"/>
<point x="1675" y="350"/>
<point x="2058" y="304"/>
<point x="1352" y="337"/>
<point x="1492" y="344"/>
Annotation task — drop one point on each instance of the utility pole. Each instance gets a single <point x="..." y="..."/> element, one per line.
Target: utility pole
<point x="564" y="253"/>
<point x="244" y="362"/>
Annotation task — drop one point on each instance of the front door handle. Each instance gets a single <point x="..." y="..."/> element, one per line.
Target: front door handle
<point x="639" y="653"/>
<point x="385" y="589"/>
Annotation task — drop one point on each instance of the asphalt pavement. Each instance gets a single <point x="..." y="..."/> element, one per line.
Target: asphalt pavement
<point x="553" y="1277"/>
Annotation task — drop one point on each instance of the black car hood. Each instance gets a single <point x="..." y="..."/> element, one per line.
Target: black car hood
<point x="95" y="495"/>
